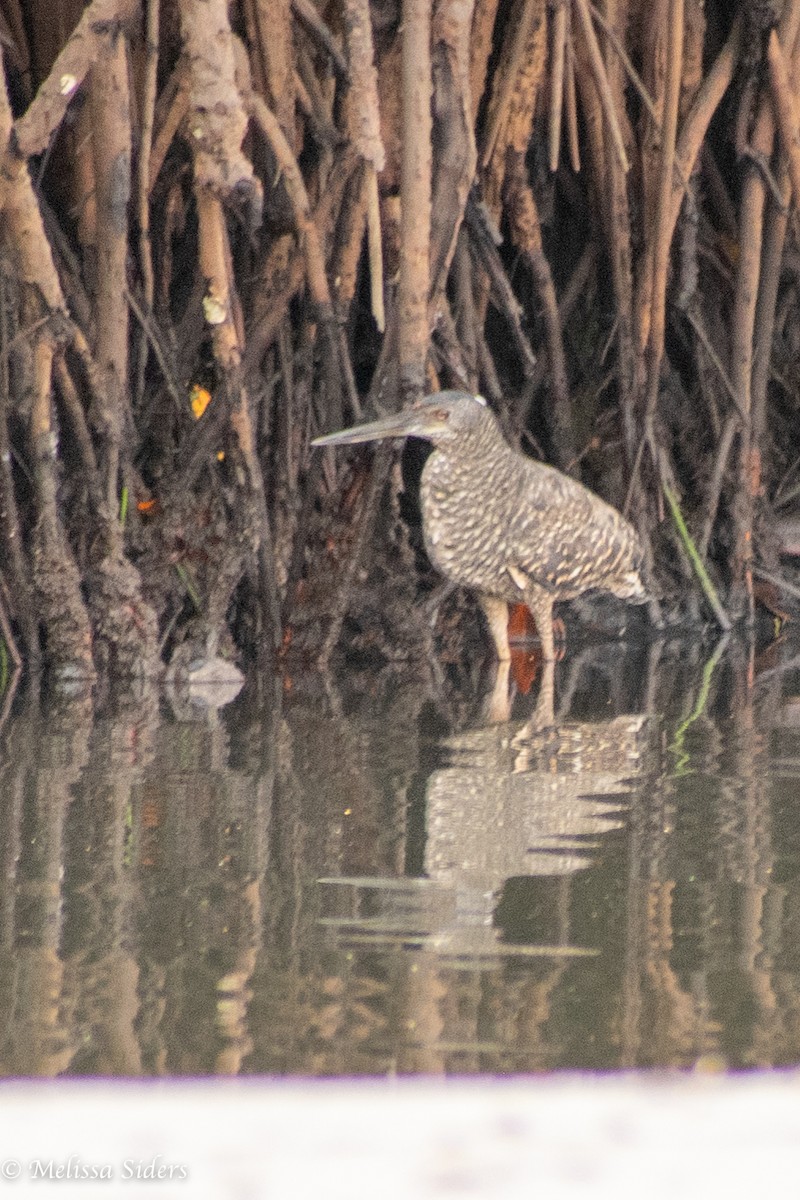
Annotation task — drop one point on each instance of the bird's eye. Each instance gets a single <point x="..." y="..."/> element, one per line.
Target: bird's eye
<point x="442" y="415"/>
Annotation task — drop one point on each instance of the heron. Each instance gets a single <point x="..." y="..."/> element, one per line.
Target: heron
<point x="506" y="527"/>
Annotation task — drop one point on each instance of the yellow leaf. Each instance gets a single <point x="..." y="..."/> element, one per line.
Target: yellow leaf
<point x="200" y="400"/>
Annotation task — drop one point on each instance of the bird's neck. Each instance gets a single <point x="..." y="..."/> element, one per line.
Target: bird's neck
<point x="480" y="444"/>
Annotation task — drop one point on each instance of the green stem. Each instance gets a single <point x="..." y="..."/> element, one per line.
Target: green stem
<point x="709" y="591"/>
<point x="188" y="583"/>
<point x="677" y="747"/>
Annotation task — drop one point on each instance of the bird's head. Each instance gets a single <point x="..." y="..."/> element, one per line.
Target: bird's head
<point x="444" y="416"/>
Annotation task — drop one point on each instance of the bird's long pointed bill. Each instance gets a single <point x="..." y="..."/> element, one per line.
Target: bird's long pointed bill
<point x="397" y="426"/>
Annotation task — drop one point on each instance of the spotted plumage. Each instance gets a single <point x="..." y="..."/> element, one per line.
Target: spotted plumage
<point x="511" y="529"/>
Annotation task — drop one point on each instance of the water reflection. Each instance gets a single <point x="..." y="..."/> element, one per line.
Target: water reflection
<point x="622" y="888"/>
<point x="509" y="802"/>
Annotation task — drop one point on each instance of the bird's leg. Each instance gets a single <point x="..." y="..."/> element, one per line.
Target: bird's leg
<point x="544" y="714"/>
<point x="541" y="605"/>
<point x="496" y="612"/>
<point x="497" y="705"/>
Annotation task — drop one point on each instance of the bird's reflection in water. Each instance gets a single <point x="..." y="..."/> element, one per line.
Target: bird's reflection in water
<point x="499" y="697"/>
<point x="498" y="700"/>
<point x="507" y="801"/>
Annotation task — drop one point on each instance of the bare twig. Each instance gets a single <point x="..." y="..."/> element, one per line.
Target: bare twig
<point x="99" y="24"/>
<point x="363" y="118"/>
<point x="482" y="240"/>
<point x="723" y="453"/>
<point x="145" y="148"/>
<point x="775" y="231"/>
<point x="571" y="102"/>
<point x="618" y="211"/>
<point x="112" y="153"/>
<point x="313" y="23"/>
<point x="527" y="234"/>
<point x="557" y="81"/>
<point x="785" y="110"/>
<point x="575" y="288"/>
<point x="498" y="110"/>
<point x="415" y="198"/>
<point x="751" y="219"/>
<point x="456" y="154"/>
<point x="777" y="581"/>
<point x="698" y="118"/>
<point x="375" y="248"/>
<point x="630" y="70"/>
<point x="176" y="99"/>
<point x="706" y="343"/>
<point x="144" y="317"/>
<point x="271" y="36"/>
<point x="663" y="230"/>
<point x="601" y="80"/>
<point x="480" y="48"/>
<point x="296" y="190"/>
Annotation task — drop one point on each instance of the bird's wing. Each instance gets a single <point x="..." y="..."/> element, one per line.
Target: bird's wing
<point x="560" y="528"/>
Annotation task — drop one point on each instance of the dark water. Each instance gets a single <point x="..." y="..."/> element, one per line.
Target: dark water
<point x="368" y="879"/>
